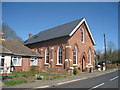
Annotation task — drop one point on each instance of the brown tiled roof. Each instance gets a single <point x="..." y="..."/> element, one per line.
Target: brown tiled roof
<point x="4" y="50"/>
<point x="17" y="48"/>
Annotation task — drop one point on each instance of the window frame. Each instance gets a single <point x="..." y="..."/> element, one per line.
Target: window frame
<point x="89" y="57"/>
<point x="17" y="60"/>
<point x="75" y="51"/>
<point x="35" y="59"/>
<point x="82" y="35"/>
<point x="59" y="62"/>
<point x="47" y="55"/>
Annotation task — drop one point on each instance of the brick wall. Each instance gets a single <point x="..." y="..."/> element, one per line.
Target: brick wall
<point x="26" y="64"/>
<point x="113" y="65"/>
<point x="54" y="70"/>
<point x="68" y="44"/>
<point x="82" y="47"/>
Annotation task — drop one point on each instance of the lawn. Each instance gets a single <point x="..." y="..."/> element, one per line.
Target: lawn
<point x="18" y="77"/>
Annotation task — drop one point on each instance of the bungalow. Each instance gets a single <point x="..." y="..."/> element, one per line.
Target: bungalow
<point x="15" y="56"/>
<point x="64" y="46"/>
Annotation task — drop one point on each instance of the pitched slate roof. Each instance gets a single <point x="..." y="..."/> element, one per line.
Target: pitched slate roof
<point x="17" y="48"/>
<point x="56" y="32"/>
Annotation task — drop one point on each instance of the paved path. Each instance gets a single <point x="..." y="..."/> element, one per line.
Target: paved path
<point x="49" y="83"/>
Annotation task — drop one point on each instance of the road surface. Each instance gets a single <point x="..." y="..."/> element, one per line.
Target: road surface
<point x="109" y="80"/>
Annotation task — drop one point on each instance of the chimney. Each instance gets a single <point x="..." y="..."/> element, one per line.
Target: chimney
<point x="2" y="36"/>
<point x="30" y="35"/>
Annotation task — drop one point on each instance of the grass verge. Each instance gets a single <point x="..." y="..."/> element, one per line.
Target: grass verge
<point x="18" y="77"/>
<point x="14" y="82"/>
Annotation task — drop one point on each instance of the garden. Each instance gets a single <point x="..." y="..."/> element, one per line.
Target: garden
<point x="18" y="77"/>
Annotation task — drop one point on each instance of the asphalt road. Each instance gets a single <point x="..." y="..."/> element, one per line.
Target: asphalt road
<point x="109" y="80"/>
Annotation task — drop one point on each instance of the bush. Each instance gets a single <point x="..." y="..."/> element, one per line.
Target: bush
<point x="75" y="71"/>
<point x="7" y="77"/>
<point x="84" y="70"/>
<point x="78" y="68"/>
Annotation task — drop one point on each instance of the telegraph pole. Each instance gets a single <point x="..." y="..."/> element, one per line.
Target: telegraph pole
<point x="105" y="49"/>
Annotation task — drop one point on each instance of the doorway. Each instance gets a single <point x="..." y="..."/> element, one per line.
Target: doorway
<point x="83" y="63"/>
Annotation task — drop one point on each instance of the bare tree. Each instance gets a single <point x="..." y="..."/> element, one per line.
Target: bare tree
<point x="111" y="52"/>
<point x="111" y="46"/>
<point x="98" y="54"/>
<point x="10" y="33"/>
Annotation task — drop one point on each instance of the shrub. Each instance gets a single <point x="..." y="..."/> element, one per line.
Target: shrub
<point x="78" y="68"/>
<point x="75" y="71"/>
<point x="84" y="70"/>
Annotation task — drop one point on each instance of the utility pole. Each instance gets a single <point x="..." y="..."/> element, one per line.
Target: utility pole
<point x="105" y="49"/>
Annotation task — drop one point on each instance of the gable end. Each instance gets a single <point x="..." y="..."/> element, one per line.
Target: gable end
<point x="74" y="30"/>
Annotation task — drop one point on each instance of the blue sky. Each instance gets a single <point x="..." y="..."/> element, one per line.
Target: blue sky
<point x="33" y="17"/>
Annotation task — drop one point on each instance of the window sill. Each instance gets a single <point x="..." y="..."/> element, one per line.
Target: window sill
<point x="33" y="65"/>
<point x="58" y="64"/>
<point x="1" y="67"/>
<point x="89" y="64"/>
<point x="83" y="42"/>
<point x="16" y="65"/>
<point x="75" y="64"/>
<point x="46" y="64"/>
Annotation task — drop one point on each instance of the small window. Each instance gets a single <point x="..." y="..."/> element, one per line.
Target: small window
<point x="75" y="55"/>
<point x="59" y="61"/>
<point x="16" y="61"/>
<point x="2" y="62"/>
<point x="82" y="36"/>
<point x="47" y="55"/>
<point x="33" y="61"/>
<point x="89" y="57"/>
<point x="2" y="58"/>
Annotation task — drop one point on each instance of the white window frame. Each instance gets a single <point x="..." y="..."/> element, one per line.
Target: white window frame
<point x="35" y="60"/>
<point x="60" y="64"/>
<point x="19" y="61"/>
<point x="75" y="56"/>
<point x="83" y="35"/>
<point x="89" y="57"/>
<point x="46" y="63"/>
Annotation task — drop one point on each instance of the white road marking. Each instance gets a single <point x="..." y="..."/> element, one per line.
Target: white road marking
<point x="114" y="78"/>
<point x="43" y="86"/>
<point x="97" y="86"/>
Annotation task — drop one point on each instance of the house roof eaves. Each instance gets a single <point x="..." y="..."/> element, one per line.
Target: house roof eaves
<point x="28" y="55"/>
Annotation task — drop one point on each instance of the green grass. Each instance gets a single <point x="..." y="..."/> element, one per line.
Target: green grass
<point x="18" y="77"/>
<point x="14" y="82"/>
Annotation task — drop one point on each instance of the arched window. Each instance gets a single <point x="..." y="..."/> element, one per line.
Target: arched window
<point x="89" y="57"/>
<point x="47" y="55"/>
<point x="82" y="36"/>
<point x="75" y="55"/>
<point x="60" y="48"/>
